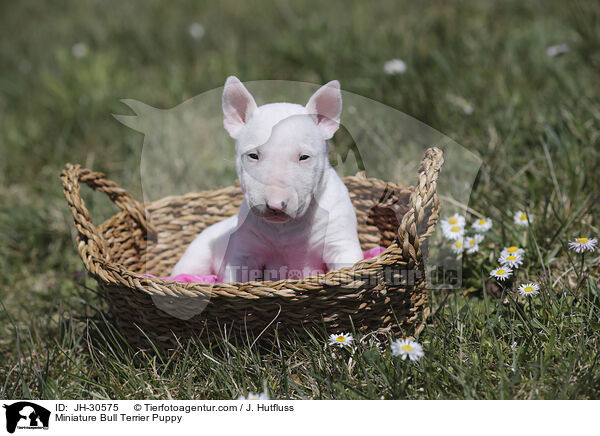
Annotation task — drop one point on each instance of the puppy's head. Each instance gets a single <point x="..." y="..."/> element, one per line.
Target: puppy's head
<point x="281" y="148"/>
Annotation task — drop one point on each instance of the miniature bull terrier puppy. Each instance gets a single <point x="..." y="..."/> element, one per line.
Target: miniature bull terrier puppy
<point x="296" y="218"/>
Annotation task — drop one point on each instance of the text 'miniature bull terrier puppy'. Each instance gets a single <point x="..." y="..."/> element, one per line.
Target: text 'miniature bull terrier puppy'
<point x="296" y="218"/>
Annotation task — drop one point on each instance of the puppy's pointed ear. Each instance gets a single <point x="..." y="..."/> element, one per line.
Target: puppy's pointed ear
<point x="326" y="106"/>
<point x="238" y="106"/>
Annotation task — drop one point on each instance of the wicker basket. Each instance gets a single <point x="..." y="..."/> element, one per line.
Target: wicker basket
<point x="387" y="292"/>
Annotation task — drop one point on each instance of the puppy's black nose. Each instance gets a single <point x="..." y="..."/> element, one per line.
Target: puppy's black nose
<point x="276" y="207"/>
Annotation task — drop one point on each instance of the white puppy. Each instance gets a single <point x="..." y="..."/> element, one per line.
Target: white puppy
<point x="296" y="218"/>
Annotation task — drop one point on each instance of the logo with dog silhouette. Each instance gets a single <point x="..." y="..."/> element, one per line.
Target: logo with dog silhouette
<point x="26" y="415"/>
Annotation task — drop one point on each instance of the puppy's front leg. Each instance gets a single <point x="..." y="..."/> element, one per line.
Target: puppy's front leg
<point x="342" y="255"/>
<point x="242" y="268"/>
<point x="197" y="259"/>
<point x="342" y="247"/>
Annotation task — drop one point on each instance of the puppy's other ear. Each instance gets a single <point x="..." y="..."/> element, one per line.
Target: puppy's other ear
<point x="326" y="106"/>
<point x="238" y="106"/>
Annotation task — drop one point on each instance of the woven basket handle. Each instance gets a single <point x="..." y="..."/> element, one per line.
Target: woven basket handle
<point x="71" y="176"/>
<point x="423" y="214"/>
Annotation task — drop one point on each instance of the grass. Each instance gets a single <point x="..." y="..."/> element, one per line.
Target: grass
<point x="535" y="125"/>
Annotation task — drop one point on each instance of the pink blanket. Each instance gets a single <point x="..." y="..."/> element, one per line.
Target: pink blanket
<point x="191" y="278"/>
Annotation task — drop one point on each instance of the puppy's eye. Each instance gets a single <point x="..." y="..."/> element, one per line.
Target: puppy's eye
<point x="304" y="157"/>
<point x="253" y="156"/>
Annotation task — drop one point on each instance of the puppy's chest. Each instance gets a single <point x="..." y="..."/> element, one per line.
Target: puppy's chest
<point x="295" y="251"/>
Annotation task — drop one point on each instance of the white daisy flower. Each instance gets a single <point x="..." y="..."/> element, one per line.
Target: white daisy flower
<point x="529" y="289"/>
<point x="501" y="273"/>
<point x="454" y="220"/>
<point x="394" y="67"/>
<point x="512" y="250"/>
<point x="196" y="30"/>
<point x="461" y="103"/>
<point x="79" y="50"/>
<point x="454" y="232"/>
<point x="473" y="249"/>
<point x="342" y="340"/>
<point x="458" y="246"/>
<point x="555" y="50"/>
<point x="472" y="243"/>
<point x="482" y="225"/>
<point x="253" y="396"/>
<point x="511" y="260"/>
<point x="407" y="348"/>
<point x="581" y="245"/>
<point x="521" y="218"/>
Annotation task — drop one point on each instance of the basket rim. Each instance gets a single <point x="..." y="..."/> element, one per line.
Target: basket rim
<point x="281" y="288"/>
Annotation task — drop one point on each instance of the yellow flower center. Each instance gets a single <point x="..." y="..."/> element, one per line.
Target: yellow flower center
<point x="454" y="229"/>
<point x="472" y="242"/>
<point x="340" y="339"/>
<point x="482" y="222"/>
<point x="523" y="217"/>
<point x="512" y="249"/>
<point x="453" y="220"/>
<point x="406" y="347"/>
<point x="582" y="240"/>
<point x="500" y="272"/>
<point x="511" y="257"/>
<point x="527" y="289"/>
<point x="458" y="244"/>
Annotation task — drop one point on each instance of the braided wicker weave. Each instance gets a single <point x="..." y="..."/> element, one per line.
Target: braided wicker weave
<point x="385" y="292"/>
